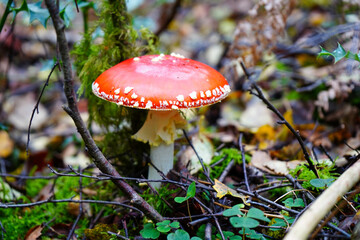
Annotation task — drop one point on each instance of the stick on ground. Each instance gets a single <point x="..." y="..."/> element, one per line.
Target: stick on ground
<point x="324" y="203"/>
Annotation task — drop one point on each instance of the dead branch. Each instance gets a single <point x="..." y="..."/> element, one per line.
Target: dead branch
<point x="261" y="96"/>
<point x="324" y="203"/>
<point x="99" y="159"/>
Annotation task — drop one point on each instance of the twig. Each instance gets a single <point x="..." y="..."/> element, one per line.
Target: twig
<point x="2" y="230"/>
<point x="261" y="198"/>
<point x="36" y="108"/>
<point x="226" y="170"/>
<point x="260" y="204"/>
<point x="208" y="231"/>
<point x="117" y="235"/>
<point x="77" y="6"/>
<point x="273" y="187"/>
<point x="333" y="213"/>
<point x="23" y="205"/>
<point x="244" y="162"/>
<point x="200" y="159"/>
<point x="326" y="153"/>
<point x="260" y="95"/>
<point x="72" y="109"/>
<point x="72" y="230"/>
<point x="298" y="186"/>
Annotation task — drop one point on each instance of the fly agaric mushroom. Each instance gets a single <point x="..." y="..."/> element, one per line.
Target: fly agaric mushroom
<point x="163" y="84"/>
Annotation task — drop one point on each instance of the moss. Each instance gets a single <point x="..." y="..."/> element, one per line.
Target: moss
<point x="301" y="172"/>
<point x="100" y="231"/>
<point x="17" y="221"/>
<point x="120" y="41"/>
<point x="225" y="156"/>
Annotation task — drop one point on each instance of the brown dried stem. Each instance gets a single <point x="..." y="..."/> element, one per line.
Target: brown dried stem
<point x="99" y="159"/>
<point x="258" y="92"/>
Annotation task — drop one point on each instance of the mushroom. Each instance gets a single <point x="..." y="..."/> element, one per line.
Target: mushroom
<point x="162" y="84"/>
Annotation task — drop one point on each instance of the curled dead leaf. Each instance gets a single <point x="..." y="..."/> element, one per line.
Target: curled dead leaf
<point x="223" y="190"/>
<point x="34" y="232"/>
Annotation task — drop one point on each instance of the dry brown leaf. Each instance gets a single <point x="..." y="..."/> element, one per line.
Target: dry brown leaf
<point x="89" y="192"/>
<point x="34" y="232"/>
<point x="205" y="150"/>
<point x="6" y="144"/>
<point x="19" y="109"/>
<point x="263" y="161"/>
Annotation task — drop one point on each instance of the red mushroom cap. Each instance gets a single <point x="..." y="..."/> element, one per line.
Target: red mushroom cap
<point x="161" y="82"/>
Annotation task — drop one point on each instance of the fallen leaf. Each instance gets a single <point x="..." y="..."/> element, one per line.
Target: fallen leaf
<point x="90" y="192"/>
<point x="34" y="232"/>
<point x="80" y="159"/>
<point x="205" y="150"/>
<point x="19" y="109"/>
<point x="250" y="117"/>
<point x="263" y="161"/>
<point x="223" y="190"/>
<point x="6" y="144"/>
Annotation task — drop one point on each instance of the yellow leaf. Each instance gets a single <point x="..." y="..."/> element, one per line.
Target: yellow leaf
<point x="6" y="144"/>
<point x="223" y="190"/>
<point x="288" y="115"/>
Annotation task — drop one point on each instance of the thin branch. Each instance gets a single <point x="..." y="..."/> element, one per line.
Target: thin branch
<point x="323" y="204"/>
<point x="23" y="205"/>
<point x="241" y="146"/>
<point x="117" y="235"/>
<point x="326" y="153"/>
<point x="99" y="159"/>
<point x="36" y="108"/>
<point x="273" y="187"/>
<point x="226" y="170"/>
<point x="260" y="95"/>
<point x="72" y="230"/>
<point x="297" y="185"/>
<point x="200" y="159"/>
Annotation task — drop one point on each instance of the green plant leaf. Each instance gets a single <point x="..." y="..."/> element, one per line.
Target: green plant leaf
<point x="236" y="237"/>
<point x="257" y="214"/>
<point x="252" y="234"/>
<point x="227" y="234"/>
<point x="38" y="13"/>
<point x="234" y="211"/>
<point x="195" y="238"/>
<point x="175" y="225"/>
<point x="319" y="183"/>
<point x="281" y="223"/>
<point x="243" y="222"/>
<point x="189" y="194"/>
<point x="163" y="229"/>
<point x="179" y="235"/>
<point x="163" y="223"/>
<point x="23" y="7"/>
<point x="297" y="202"/>
<point x="149" y="231"/>
<point x="65" y="17"/>
<point x="339" y="53"/>
<point x="163" y="226"/>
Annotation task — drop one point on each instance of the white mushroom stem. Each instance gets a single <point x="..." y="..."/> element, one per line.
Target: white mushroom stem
<point x="162" y="158"/>
<point x="159" y="130"/>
